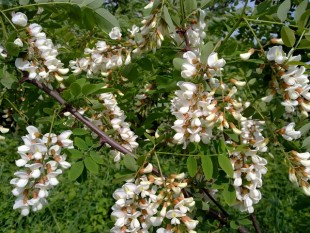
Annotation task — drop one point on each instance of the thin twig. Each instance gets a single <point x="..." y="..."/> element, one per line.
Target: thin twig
<point x="104" y="138"/>
<point x="236" y="24"/>
<point x="255" y="223"/>
<point x="215" y="202"/>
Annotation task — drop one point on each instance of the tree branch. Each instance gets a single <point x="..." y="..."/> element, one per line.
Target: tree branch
<point x="104" y="138"/>
<point x="215" y="202"/>
<point x="255" y="223"/>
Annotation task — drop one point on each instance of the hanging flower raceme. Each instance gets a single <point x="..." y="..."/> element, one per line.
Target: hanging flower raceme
<point x="199" y="111"/>
<point x="41" y="61"/>
<point x="42" y="161"/>
<point x="291" y="82"/>
<point x="210" y="108"/>
<point x="248" y="165"/>
<point x="248" y="170"/>
<point x="103" y="58"/>
<point x="299" y="172"/>
<point x="117" y="118"/>
<point x="150" y="203"/>
<point x="152" y="31"/>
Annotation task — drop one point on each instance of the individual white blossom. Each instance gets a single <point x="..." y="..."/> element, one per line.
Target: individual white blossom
<point x="246" y="56"/>
<point x="149" y="5"/>
<point x="19" y="19"/>
<point x="18" y="42"/>
<point x="289" y="133"/>
<point x="115" y="33"/>
<point x="276" y="54"/>
<point x="214" y="62"/>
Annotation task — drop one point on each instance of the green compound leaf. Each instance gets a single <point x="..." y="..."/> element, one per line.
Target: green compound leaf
<point x="288" y="36"/>
<point x="178" y="62"/>
<point x="283" y="10"/>
<point x="76" y="170"/>
<point x="207" y="166"/>
<point x="206" y="50"/>
<point x="191" y="166"/>
<point x="91" y="165"/>
<point x="229" y="194"/>
<point x="96" y="157"/>
<point x="130" y="163"/>
<point x="75" y="89"/>
<point x="300" y="10"/>
<point x="225" y="164"/>
<point x="80" y="143"/>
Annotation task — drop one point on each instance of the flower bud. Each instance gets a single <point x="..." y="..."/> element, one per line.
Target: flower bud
<point x="246" y="56"/>
<point x="19" y="19"/>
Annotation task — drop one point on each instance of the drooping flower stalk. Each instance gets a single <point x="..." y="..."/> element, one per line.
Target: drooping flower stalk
<point x="42" y="161"/>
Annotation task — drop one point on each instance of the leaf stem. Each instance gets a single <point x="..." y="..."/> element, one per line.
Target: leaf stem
<point x="3" y="28"/>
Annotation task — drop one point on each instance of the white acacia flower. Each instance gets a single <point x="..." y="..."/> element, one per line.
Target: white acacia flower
<point x="18" y="42"/>
<point x="246" y="56"/>
<point x="102" y="46"/>
<point x="174" y="215"/>
<point x="21" y="203"/>
<point x="115" y="33"/>
<point x="149" y="5"/>
<point x="214" y="62"/>
<point x="288" y="132"/>
<point x="190" y="223"/>
<point x="3" y="129"/>
<point x="135" y="29"/>
<point x="276" y="54"/>
<point x="19" y="19"/>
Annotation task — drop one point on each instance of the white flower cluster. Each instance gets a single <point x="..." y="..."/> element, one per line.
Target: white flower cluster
<point x="42" y="161"/>
<point x="251" y="135"/>
<point x="196" y="114"/>
<point x="152" y="34"/>
<point x="41" y="62"/>
<point x="117" y="119"/>
<point x="199" y="112"/>
<point x="193" y="67"/>
<point x="248" y="165"/>
<point x="248" y="171"/>
<point x="293" y="84"/>
<point x="103" y="58"/>
<point x="299" y="172"/>
<point x="196" y="32"/>
<point x="150" y="202"/>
